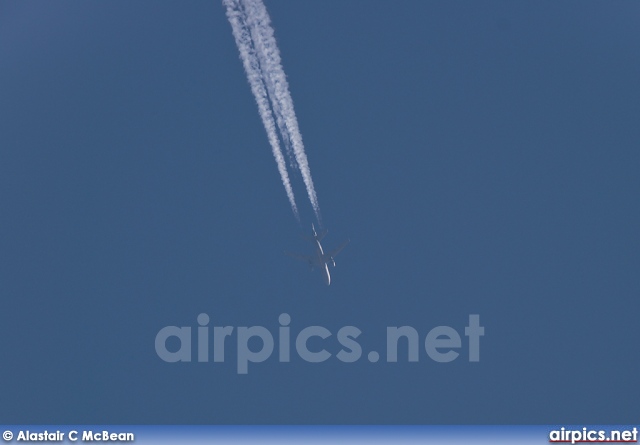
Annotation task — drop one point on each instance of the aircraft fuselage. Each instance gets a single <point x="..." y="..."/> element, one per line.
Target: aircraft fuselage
<point x="319" y="259"/>
<point x="325" y="266"/>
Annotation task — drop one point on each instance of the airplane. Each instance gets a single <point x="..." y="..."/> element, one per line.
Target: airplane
<point x="321" y="259"/>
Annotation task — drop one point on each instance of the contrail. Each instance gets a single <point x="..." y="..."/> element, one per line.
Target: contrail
<point x="267" y="50"/>
<point x="256" y="80"/>
<point x="258" y="36"/>
<point x="267" y="59"/>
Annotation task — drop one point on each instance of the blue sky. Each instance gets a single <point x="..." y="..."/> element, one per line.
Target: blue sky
<point x="482" y="158"/>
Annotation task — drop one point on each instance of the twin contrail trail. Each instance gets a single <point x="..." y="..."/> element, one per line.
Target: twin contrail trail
<point x="261" y="60"/>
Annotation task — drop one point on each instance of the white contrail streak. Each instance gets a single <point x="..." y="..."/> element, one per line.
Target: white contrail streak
<point x="272" y="82"/>
<point x="257" y="82"/>
<point x="261" y="58"/>
<point x="276" y="82"/>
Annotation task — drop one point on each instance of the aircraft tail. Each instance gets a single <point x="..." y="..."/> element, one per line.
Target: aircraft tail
<point x="321" y="235"/>
<point x="314" y="235"/>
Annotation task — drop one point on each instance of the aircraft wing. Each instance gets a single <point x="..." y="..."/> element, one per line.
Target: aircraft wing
<point x="336" y="251"/>
<point x="304" y="258"/>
